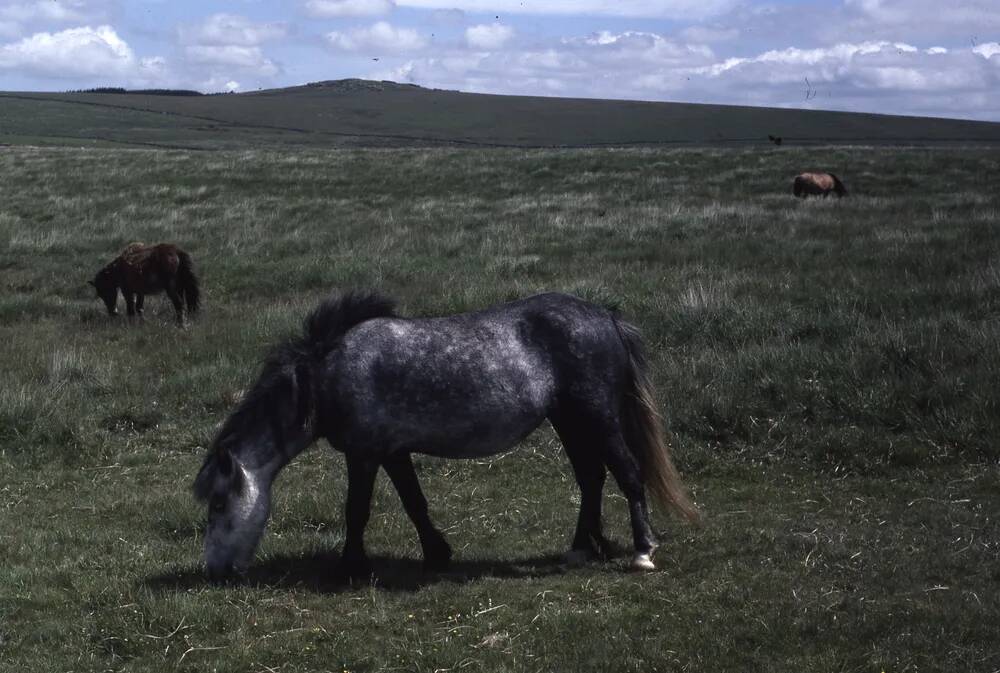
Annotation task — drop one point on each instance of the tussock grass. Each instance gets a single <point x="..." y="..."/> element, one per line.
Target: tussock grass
<point x="828" y="371"/>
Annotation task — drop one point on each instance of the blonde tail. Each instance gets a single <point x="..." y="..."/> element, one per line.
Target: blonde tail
<point x="645" y="435"/>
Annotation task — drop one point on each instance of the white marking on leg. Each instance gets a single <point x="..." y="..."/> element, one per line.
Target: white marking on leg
<point x="642" y="561"/>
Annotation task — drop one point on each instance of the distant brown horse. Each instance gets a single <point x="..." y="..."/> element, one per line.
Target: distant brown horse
<point x="817" y="184"/>
<point x="148" y="269"/>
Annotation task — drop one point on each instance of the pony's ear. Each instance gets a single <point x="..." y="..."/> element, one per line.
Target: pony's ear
<point x="224" y="463"/>
<point x="217" y="473"/>
<point x="203" y="483"/>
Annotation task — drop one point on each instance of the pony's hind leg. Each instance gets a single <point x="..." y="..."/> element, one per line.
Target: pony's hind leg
<point x="178" y="303"/>
<point x="437" y="553"/>
<point x="139" y="299"/>
<point x="627" y="472"/>
<point x="354" y="564"/>
<point x="588" y="467"/>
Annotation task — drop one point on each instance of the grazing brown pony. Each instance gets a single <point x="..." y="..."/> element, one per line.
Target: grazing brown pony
<point x="816" y="184"/>
<point x="148" y="269"/>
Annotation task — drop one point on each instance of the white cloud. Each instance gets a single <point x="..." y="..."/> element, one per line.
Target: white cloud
<point x="987" y="49"/>
<point x="675" y="9"/>
<point x="825" y="22"/>
<point x="869" y="76"/>
<point x="706" y="34"/>
<point x="901" y="12"/>
<point x="339" y="8"/>
<point x="18" y="19"/>
<point x="604" y="64"/>
<point x="249" y="58"/>
<point x="448" y="17"/>
<point x="70" y="53"/>
<point x="379" y="37"/>
<point x="10" y="29"/>
<point x="882" y="76"/>
<point x="917" y="19"/>
<point x="638" y="49"/>
<point x="223" y="46"/>
<point x="231" y="29"/>
<point x="45" y="10"/>
<point x="153" y="67"/>
<point x="933" y="51"/>
<point x="99" y="56"/>
<point x="488" y="36"/>
<point x="823" y="56"/>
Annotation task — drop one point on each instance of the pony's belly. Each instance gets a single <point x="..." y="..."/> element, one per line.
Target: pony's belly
<point x="487" y="444"/>
<point x="453" y="436"/>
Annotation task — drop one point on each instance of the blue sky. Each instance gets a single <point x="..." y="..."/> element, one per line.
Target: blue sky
<point x="919" y="57"/>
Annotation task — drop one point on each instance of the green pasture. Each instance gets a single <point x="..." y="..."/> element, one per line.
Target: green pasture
<point x="828" y="370"/>
<point x="352" y="113"/>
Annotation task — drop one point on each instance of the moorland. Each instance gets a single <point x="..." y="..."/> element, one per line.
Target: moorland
<point x="827" y="369"/>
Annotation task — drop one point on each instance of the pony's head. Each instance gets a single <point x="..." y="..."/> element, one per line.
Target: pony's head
<point x="271" y="425"/>
<point x="238" y="507"/>
<point x="275" y="421"/>
<point x="107" y="289"/>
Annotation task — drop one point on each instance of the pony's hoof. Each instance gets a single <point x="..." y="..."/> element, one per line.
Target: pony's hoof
<point x="578" y="557"/>
<point x="643" y="562"/>
<point x="437" y="554"/>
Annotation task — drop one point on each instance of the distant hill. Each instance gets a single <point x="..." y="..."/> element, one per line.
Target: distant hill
<point x="355" y="112"/>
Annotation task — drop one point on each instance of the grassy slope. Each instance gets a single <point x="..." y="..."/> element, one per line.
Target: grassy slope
<point x="829" y="368"/>
<point x="376" y="114"/>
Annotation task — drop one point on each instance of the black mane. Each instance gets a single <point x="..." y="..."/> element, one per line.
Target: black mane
<point x="323" y="328"/>
<point x="282" y="395"/>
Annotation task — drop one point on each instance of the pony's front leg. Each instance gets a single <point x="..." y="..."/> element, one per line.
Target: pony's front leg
<point x="139" y="299"/>
<point x="129" y="303"/>
<point x="354" y="564"/>
<point x="437" y="553"/>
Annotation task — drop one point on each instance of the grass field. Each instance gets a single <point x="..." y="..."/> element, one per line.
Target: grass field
<point x="829" y="371"/>
<point x="352" y="113"/>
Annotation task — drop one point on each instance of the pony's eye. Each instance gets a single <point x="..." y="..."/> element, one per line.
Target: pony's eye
<point x="217" y="504"/>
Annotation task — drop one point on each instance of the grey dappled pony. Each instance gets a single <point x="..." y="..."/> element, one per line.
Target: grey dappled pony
<point x="379" y="387"/>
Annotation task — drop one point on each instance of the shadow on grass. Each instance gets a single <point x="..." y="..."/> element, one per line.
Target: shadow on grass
<point x="316" y="573"/>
